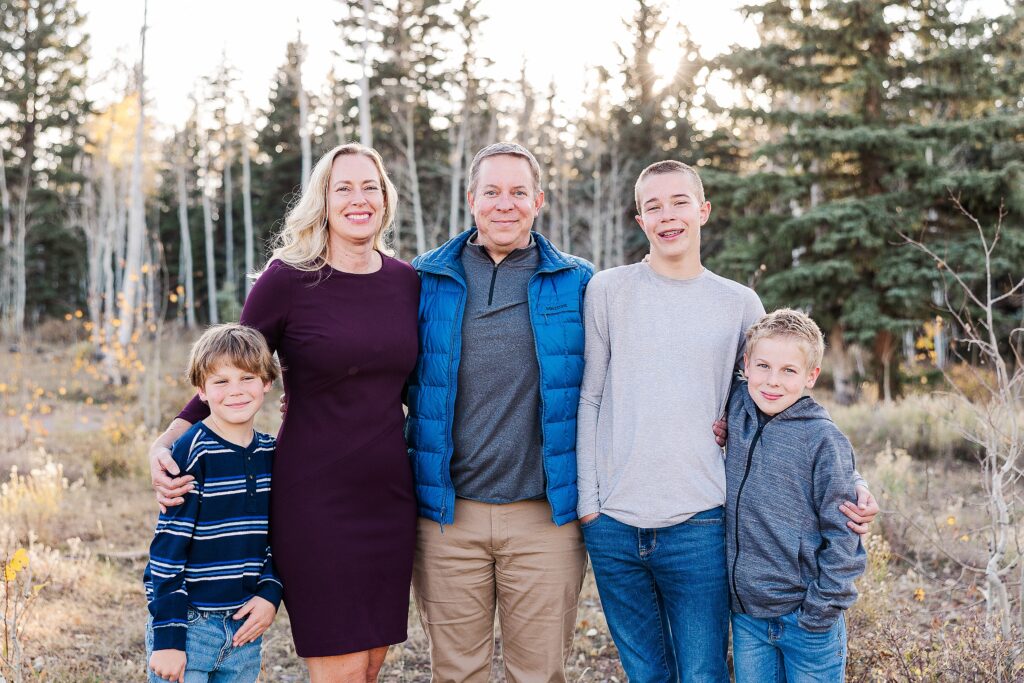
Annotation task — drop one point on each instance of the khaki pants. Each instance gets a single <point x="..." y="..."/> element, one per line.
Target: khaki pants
<point x="510" y="557"/>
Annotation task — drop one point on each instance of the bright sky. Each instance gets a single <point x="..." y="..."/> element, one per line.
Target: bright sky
<point x="560" y="40"/>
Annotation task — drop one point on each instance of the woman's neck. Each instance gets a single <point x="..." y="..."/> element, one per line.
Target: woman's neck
<point x="354" y="258"/>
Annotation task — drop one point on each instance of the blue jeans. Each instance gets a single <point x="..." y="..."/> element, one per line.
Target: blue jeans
<point x="781" y="651"/>
<point x="211" y="658"/>
<point x="665" y="595"/>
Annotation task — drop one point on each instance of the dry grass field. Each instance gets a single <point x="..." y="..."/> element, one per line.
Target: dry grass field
<point x="75" y="496"/>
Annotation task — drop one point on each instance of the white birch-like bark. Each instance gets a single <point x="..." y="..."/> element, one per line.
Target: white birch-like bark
<point x="93" y="221"/>
<point x="250" y="248"/>
<point x="596" y="221"/>
<point x="365" y="128"/>
<point x="186" y="268"/>
<point x="230" y="273"/>
<point x="211" y="264"/>
<point x="525" y="119"/>
<point x="467" y="162"/>
<point x="455" y="161"/>
<point x="6" y="242"/>
<point x="130" y="289"/>
<point x="414" y="181"/>
<point x="304" y="143"/>
<point x="616" y="252"/>
<point x="20" y="231"/>
<point x="564" y="214"/>
<point x="112" y="223"/>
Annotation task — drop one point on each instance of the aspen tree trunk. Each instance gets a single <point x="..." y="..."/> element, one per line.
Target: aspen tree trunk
<point x="211" y="264"/>
<point x="842" y="370"/>
<point x="250" y="250"/>
<point x="526" y="113"/>
<point x="365" y="129"/>
<point x="596" y="223"/>
<point x="553" y="202"/>
<point x="304" y="143"/>
<point x="131" y="282"/>
<point x="109" y="217"/>
<point x="6" y="243"/>
<point x="565" y="215"/>
<point x="230" y="274"/>
<point x="110" y="211"/>
<point x="414" y="181"/>
<point x="186" y="269"/>
<point x="616" y="253"/>
<point x="455" y="157"/>
<point x="92" y="222"/>
<point x="151" y="383"/>
<point x="120" y="230"/>
<point x="150" y="268"/>
<point x="467" y="162"/>
<point x="21" y="231"/>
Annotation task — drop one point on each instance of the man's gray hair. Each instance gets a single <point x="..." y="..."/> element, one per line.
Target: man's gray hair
<point x="509" y="148"/>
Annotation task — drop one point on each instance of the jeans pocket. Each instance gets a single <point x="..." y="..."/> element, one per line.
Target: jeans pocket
<point x="588" y="524"/>
<point x="193" y="616"/>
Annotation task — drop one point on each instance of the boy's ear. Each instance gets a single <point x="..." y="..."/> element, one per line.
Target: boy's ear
<point x="639" y="221"/>
<point x="266" y="386"/>
<point x="812" y="377"/>
<point x="202" y="395"/>
<point x="705" y="212"/>
<point x="746" y="359"/>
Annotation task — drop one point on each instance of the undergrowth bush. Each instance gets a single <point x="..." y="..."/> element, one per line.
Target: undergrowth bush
<point x="894" y="641"/>
<point x="928" y="426"/>
<point x="29" y="503"/>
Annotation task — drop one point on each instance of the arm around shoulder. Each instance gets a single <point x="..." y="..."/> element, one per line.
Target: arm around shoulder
<point x="167" y="481"/>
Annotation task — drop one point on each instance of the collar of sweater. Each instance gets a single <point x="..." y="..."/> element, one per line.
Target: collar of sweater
<point x="527" y="256"/>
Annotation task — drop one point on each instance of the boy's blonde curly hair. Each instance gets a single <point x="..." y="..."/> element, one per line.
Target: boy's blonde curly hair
<point x="795" y="325"/>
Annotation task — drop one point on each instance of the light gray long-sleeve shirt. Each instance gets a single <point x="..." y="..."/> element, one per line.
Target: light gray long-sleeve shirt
<point x="660" y="357"/>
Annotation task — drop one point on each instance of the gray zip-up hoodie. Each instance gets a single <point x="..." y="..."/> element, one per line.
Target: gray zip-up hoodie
<point x="787" y="541"/>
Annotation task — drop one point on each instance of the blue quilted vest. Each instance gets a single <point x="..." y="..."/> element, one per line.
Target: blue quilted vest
<point x="556" y="314"/>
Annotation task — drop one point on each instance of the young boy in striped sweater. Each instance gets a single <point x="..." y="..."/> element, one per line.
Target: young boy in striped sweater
<point x="210" y="581"/>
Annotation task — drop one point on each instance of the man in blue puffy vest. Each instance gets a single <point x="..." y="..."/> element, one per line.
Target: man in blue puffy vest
<point x="492" y="432"/>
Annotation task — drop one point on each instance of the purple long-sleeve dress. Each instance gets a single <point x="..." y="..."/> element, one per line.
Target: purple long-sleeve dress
<point x="342" y="506"/>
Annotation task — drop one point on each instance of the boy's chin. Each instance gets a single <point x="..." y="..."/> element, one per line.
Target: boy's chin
<point x="770" y="409"/>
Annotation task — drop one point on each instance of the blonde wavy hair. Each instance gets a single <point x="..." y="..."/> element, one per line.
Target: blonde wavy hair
<point x="303" y="242"/>
<point x="794" y="325"/>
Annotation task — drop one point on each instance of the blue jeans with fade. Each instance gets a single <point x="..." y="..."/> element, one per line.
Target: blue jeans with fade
<point x="209" y="653"/>
<point x="781" y="651"/>
<point x="665" y="596"/>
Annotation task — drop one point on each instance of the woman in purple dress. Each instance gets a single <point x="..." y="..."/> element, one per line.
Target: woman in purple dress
<point x="341" y="314"/>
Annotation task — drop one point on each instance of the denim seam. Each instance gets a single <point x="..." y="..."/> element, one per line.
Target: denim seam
<point x="661" y="627"/>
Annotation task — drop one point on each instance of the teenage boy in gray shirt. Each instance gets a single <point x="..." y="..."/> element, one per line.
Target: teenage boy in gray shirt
<point x="663" y="339"/>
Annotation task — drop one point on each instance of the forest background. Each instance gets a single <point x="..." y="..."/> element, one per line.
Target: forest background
<point x="865" y="162"/>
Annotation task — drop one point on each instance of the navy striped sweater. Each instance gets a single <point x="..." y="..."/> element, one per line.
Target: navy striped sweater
<point x="212" y="552"/>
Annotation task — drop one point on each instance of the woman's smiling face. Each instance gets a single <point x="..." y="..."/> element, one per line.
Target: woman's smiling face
<point x="355" y="200"/>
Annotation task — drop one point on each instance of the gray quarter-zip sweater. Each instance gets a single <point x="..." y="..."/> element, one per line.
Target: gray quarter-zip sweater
<point x="787" y="541"/>
<point x="497" y="455"/>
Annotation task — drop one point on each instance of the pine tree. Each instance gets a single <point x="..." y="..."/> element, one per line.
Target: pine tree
<point x="278" y="168"/>
<point x="409" y="65"/>
<point x="859" y="99"/>
<point x="42" y="74"/>
<point x="652" y="122"/>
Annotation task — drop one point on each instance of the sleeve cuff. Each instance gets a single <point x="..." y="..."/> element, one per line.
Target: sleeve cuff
<point x="170" y="637"/>
<point x="271" y="591"/>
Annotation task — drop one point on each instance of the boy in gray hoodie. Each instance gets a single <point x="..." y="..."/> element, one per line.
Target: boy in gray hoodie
<point x="791" y="566"/>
